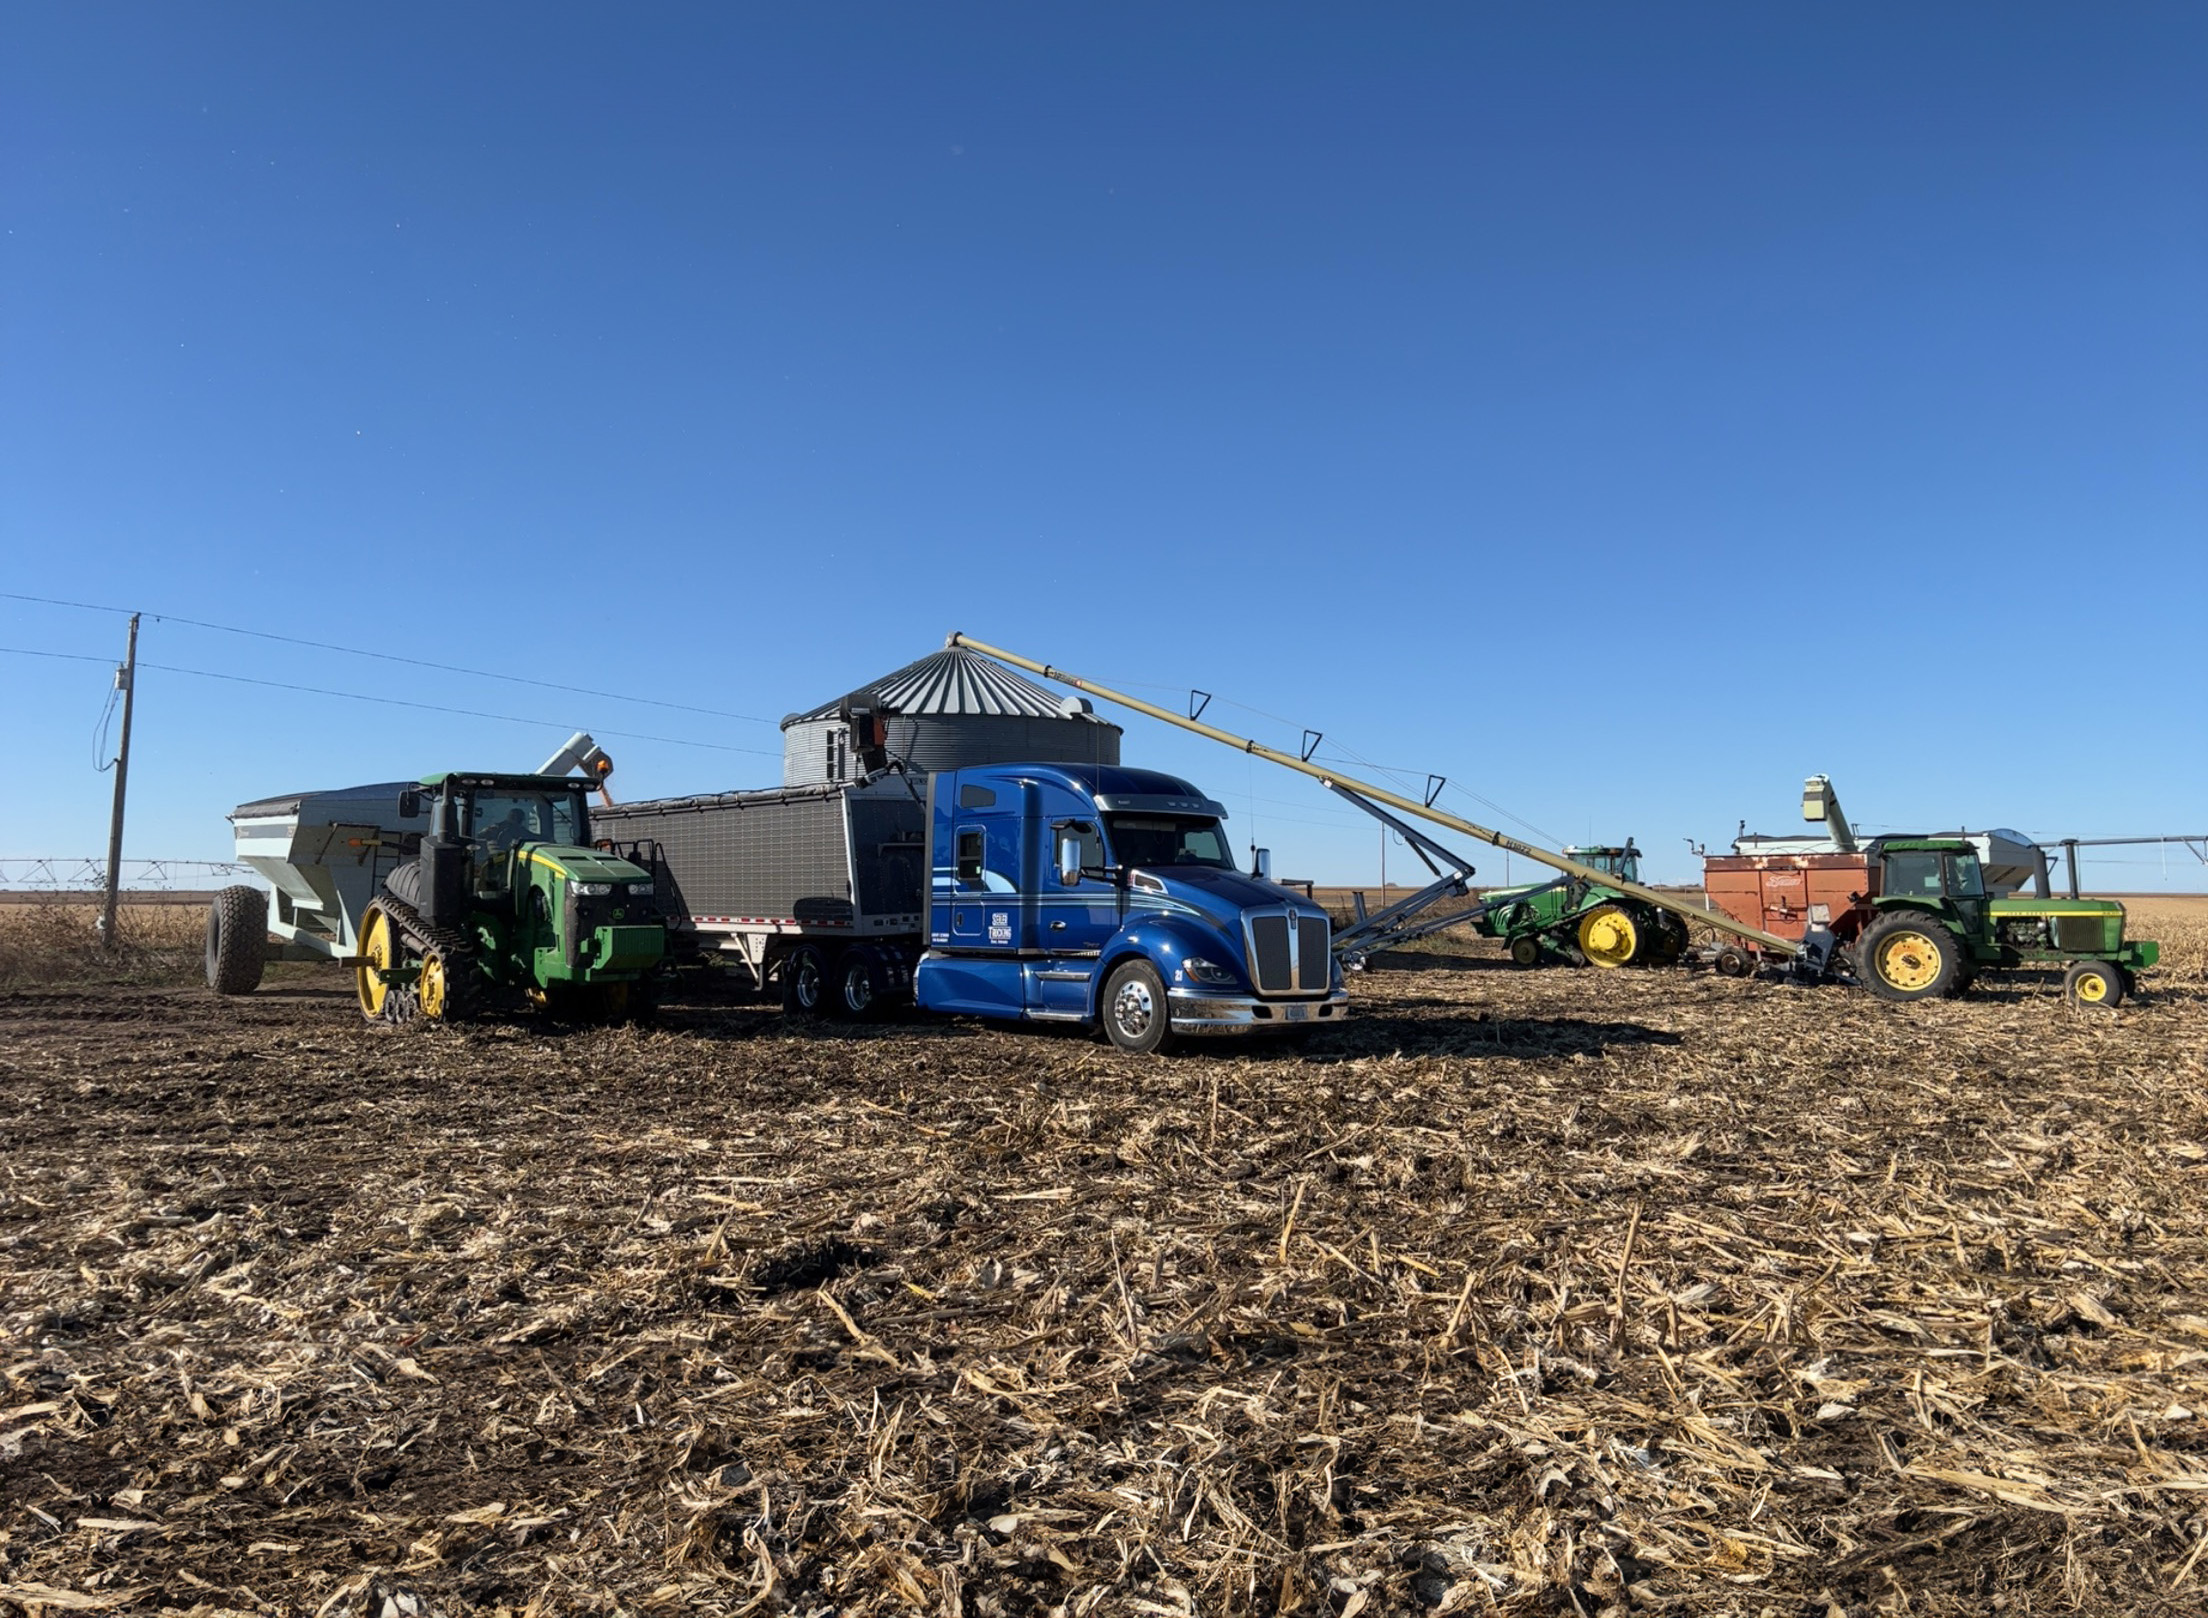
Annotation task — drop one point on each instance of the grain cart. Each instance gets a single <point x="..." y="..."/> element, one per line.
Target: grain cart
<point x="443" y="895"/>
<point x="1915" y="914"/>
<point x="1581" y="921"/>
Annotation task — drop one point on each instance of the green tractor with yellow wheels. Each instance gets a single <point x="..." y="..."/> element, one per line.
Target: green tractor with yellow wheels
<point x="1580" y="922"/>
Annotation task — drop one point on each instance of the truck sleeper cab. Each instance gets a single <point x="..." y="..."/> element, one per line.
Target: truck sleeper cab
<point x="1098" y="894"/>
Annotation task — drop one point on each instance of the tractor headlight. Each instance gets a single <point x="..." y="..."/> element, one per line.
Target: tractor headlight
<point x="1200" y="970"/>
<point x="640" y="890"/>
<point x="593" y="890"/>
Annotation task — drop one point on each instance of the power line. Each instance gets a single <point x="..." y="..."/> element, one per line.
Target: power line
<point x="394" y="702"/>
<point x="393" y="657"/>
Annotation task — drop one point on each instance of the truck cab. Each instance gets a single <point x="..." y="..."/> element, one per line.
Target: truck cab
<point x="1096" y="894"/>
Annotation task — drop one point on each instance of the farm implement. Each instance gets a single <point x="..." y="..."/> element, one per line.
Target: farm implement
<point x="445" y="895"/>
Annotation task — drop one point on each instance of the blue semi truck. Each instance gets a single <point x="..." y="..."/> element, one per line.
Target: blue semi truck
<point x="1073" y="893"/>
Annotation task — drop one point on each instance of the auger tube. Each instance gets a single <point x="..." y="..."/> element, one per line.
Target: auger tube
<point x="1411" y="806"/>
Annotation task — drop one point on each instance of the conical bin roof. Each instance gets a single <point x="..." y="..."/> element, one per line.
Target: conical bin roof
<point x="957" y="681"/>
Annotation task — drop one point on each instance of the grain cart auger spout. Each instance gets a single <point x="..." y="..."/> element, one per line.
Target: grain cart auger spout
<point x="1334" y="779"/>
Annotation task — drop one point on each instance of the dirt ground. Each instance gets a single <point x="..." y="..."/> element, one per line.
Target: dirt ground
<point x="1540" y="1292"/>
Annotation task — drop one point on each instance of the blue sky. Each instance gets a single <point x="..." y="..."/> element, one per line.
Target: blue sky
<point x="1621" y="410"/>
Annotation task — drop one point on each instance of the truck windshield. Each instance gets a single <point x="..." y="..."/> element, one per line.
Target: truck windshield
<point x="1161" y="840"/>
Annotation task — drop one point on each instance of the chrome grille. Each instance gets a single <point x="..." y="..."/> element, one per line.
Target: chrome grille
<point x="1289" y="952"/>
<point x="1314" y="968"/>
<point x="1269" y="954"/>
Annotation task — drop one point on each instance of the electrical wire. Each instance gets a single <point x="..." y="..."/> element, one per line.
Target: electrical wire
<point x="393" y="657"/>
<point x="395" y="702"/>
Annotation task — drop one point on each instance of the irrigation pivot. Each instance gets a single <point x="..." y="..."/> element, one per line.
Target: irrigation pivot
<point x="1410" y="806"/>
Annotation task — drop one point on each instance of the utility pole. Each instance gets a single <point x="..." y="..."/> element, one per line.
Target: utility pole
<point x="127" y="678"/>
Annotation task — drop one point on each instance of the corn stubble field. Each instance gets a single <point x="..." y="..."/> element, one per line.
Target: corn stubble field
<point x="1551" y="1292"/>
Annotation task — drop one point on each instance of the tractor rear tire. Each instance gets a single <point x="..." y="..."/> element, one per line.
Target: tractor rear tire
<point x="2094" y="983"/>
<point x="1904" y="955"/>
<point x="804" y="981"/>
<point x="1137" y="1016"/>
<point x="1525" y="950"/>
<point x="237" y="940"/>
<point x="1611" y="935"/>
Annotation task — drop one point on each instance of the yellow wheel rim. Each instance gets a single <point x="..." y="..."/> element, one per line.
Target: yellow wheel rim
<point x="1608" y="937"/>
<point x="2092" y="988"/>
<point x="431" y="986"/>
<point x="375" y="960"/>
<point x="1908" y="961"/>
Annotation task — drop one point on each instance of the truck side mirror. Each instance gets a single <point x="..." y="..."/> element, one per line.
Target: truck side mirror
<point x="1069" y="860"/>
<point x="1261" y="864"/>
<point x="410" y="804"/>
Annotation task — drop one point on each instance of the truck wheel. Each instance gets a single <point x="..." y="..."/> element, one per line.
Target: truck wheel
<point x="804" y="981"/>
<point x="858" y="985"/>
<point x="1610" y="935"/>
<point x="237" y="940"/>
<point x="2094" y="983"/>
<point x="1906" y="956"/>
<point x="1135" y="1015"/>
<point x="1525" y="950"/>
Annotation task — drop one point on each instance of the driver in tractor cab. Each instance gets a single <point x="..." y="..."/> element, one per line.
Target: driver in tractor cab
<point x="495" y="842"/>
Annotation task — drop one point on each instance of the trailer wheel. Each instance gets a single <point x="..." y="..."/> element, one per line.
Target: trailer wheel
<point x="237" y="940"/>
<point x="2094" y="983"/>
<point x="804" y="981"/>
<point x="858" y="985"/>
<point x="1907" y="956"/>
<point x="1135" y="1014"/>
<point x="1525" y="950"/>
<point x="1734" y="962"/>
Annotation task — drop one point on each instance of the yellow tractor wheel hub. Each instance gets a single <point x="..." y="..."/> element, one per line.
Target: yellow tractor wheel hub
<point x="1608" y="937"/>
<point x="431" y="986"/>
<point x="377" y="949"/>
<point x="1908" y="961"/>
<point x="2092" y="987"/>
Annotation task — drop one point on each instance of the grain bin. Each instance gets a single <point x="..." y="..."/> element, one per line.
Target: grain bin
<point x="950" y="709"/>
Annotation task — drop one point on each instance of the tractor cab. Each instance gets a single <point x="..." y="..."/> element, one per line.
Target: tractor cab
<point x="1937" y="874"/>
<point x="488" y="819"/>
<point x="1624" y="863"/>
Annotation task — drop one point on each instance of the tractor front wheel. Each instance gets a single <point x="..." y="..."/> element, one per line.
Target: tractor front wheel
<point x="1905" y="956"/>
<point x="2094" y="983"/>
<point x="1610" y="936"/>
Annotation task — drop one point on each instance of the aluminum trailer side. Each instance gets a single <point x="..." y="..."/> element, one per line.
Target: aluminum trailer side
<point x="820" y="876"/>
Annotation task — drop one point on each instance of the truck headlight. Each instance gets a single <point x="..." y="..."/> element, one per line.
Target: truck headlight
<point x="593" y="890"/>
<point x="1199" y="970"/>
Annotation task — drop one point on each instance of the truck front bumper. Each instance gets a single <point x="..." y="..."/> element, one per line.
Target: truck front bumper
<point x="1194" y="1012"/>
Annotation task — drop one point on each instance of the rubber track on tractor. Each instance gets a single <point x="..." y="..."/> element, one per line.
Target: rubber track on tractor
<point x="462" y="997"/>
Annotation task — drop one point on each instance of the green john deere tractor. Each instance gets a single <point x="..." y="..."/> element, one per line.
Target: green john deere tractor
<point x="1930" y="928"/>
<point x="1582" y="922"/>
<point x="507" y="899"/>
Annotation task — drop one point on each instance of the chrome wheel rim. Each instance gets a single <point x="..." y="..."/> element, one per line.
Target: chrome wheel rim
<point x="805" y="982"/>
<point x="858" y="989"/>
<point x="1133" y="1011"/>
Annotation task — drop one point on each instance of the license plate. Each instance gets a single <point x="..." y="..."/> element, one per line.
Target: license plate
<point x="1297" y="1013"/>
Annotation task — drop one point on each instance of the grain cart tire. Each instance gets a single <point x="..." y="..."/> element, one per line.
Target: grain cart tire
<point x="804" y="981"/>
<point x="2094" y="983"/>
<point x="1135" y="1011"/>
<point x="237" y="940"/>
<point x="1734" y="962"/>
<point x="1525" y="950"/>
<point x="858" y="985"/>
<point x="1908" y="956"/>
<point x="1611" y="936"/>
